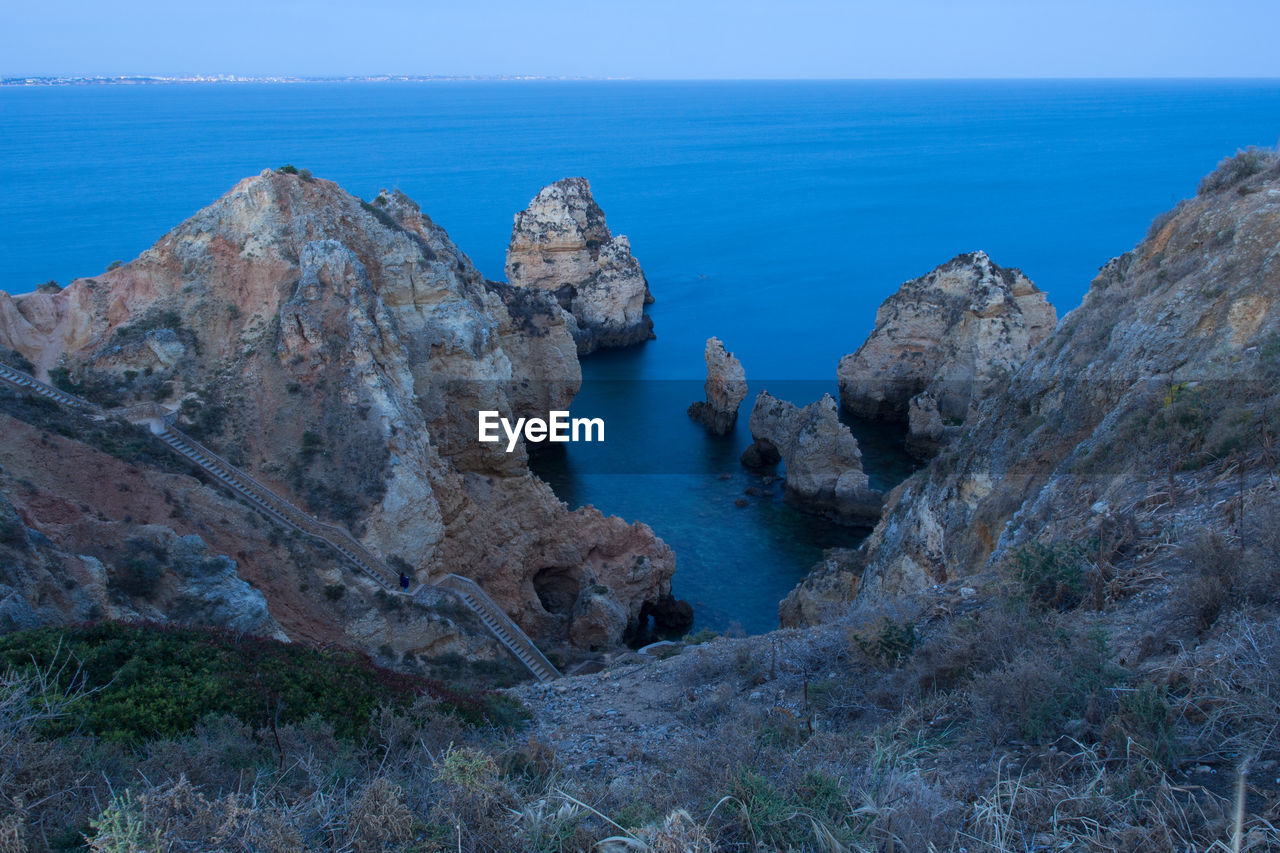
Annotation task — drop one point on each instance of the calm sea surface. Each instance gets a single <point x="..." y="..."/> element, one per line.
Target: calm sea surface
<point x="774" y="215"/>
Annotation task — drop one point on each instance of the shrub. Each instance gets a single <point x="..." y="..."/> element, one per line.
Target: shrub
<point x="1037" y="693"/>
<point x="1224" y="576"/>
<point x="287" y="169"/>
<point x="890" y="645"/>
<point x="1245" y="164"/>
<point x="138" y="575"/>
<point x="769" y="817"/>
<point x="203" y="419"/>
<point x="1146" y="718"/>
<point x="154" y="680"/>
<point x="16" y="359"/>
<point x="311" y="444"/>
<point x="697" y="638"/>
<point x="334" y="591"/>
<point x="1051" y="576"/>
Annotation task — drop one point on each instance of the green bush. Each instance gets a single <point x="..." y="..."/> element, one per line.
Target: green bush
<point x="891" y="645"/>
<point x="1146" y="718"/>
<point x="16" y="359"/>
<point x="287" y="169"/>
<point x="1051" y="576"/>
<point x="311" y="444"/>
<point x="769" y="816"/>
<point x="138" y="574"/>
<point x="150" y="680"/>
<point x="697" y="638"/>
<point x="1038" y="692"/>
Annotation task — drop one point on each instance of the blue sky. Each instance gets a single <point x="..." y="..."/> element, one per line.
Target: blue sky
<point x="646" y="38"/>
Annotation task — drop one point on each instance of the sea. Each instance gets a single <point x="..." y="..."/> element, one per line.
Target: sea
<point x="773" y="215"/>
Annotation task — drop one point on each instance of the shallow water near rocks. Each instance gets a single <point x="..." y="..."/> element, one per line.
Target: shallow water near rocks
<point x="774" y="215"/>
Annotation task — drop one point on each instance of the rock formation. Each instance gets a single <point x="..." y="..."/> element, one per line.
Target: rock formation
<point x="108" y="525"/>
<point x="926" y="432"/>
<point x="953" y="333"/>
<point x="1128" y="415"/>
<point x="826" y="592"/>
<point x="560" y="244"/>
<point x="823" y="463"/>
<point x="338" y="350"/>
<point x="726" y="388"/>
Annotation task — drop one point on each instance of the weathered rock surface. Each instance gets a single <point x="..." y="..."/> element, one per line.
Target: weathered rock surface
<point x="926" y="432"/>
<point x="132" y="534"/>
<point x="338" y="350"/>
<point x="823" y="463"/>
<point x="561" y="244"/>
<point x="1129" y="415"/>
<point x="826" y="592"/>
<point x="726" y="388"/>
<point x="954" y="333"/>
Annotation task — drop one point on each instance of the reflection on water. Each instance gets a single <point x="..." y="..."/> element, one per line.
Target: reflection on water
<point x="734" y="562"/>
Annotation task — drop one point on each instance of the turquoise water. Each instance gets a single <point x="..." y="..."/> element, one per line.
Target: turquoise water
<point x="774" y="215"/>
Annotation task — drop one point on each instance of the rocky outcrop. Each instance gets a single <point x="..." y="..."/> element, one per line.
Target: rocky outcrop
<point x="823" y="463"/>
<point x="1159" y="387"/>
<point x="926" y="432"/>
<point x="339" y="350"/>
<point x="953" y="333"/>
<point x="109" y="525"/>
<point x="826" y="591"/>
<point x="560" y="244"/>
<point x="726" y="388"/>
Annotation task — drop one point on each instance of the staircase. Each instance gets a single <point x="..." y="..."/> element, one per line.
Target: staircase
<point x="30" y="383"/>
<point x="497" y="621"/>
<point x="267" y="501"/>
<point x="277" y="507"/>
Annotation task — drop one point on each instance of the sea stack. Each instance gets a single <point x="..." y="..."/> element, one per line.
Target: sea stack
<point x="951" y="334"/>
<point x="726" y="388"/>
<point x="561" y="244"/>
<point x="823" y="462"/>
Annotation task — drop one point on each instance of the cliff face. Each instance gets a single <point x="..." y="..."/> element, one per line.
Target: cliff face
<point x="338" y="350"/>
<point x="949" y="334"/>
<point x="560" y="244"/>
<point x="1156" y="390"/>
<point x="109" y="525"/>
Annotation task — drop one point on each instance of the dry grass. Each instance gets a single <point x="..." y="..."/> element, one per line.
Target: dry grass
<point x="1009" y="728"/>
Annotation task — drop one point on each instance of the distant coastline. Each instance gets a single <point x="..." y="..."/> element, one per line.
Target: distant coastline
<point x="147" y="80"/>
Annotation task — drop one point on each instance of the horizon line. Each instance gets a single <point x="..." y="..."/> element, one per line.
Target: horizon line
<point x="231" y="79"/>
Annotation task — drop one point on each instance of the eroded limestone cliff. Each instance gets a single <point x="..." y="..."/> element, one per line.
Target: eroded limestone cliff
<point x="949" y="335"/>
<point x="1152" y="406"/>
<point x="338" y="350"/>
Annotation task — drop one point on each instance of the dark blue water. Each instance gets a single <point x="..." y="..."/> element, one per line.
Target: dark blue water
<point x="774" y="215"/>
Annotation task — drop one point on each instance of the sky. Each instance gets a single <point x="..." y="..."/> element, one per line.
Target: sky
<point x="655" y="39"/>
